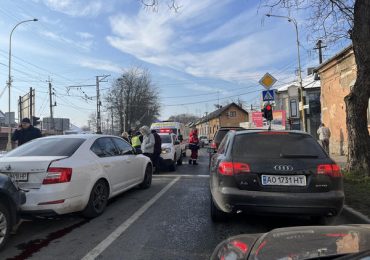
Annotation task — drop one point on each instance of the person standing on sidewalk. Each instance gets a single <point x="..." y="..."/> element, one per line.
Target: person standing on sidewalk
<point x="126" y="137"/>
<point x="147" y="146"/>
<point x="136" y="142"/>
<point x="324" y="136"/>
<point x="194" y="146"/>
<point x="157" y="150"/>
<point x="26" y="132"/>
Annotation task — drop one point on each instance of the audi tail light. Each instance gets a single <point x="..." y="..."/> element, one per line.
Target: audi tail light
<point x="58" y="175"/>
<point x="231" y="168"/>
<point x="332" y="170"/>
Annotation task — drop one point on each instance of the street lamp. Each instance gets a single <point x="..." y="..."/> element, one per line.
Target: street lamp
<point x="303" y="115"/>
<point x="9" y="144"/>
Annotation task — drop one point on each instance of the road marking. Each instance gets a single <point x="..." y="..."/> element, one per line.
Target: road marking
<point x="95" y="252"/>
<point x="182" y="175"/>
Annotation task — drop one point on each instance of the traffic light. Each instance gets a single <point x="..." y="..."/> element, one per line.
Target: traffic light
<point x="267" y="112"/>
<point x="35" y="120"/>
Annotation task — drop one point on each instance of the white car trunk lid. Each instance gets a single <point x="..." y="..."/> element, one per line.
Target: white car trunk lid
<point x="29" y="171"/>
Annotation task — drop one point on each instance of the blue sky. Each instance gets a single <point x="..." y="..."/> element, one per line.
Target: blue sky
<point x="214" y="50"/>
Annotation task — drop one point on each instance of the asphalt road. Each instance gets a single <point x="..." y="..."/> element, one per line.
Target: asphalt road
<point x="171" y="220"/>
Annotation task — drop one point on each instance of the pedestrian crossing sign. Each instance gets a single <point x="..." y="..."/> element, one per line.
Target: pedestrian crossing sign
<point x="268" y="95"/>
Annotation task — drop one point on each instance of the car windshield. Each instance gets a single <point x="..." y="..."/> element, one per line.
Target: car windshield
<point x="166" y="139"/>
<point x="48" y="147"/>
<point x="264" y="145"/>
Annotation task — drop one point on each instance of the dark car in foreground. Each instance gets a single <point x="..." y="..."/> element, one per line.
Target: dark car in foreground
<point x="312" y="242"/>
<point x="274" y="172"/>
<point x="10" y="200"/>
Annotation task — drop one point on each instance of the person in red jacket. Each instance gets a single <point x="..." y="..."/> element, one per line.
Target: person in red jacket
<point x="194" y="146"/>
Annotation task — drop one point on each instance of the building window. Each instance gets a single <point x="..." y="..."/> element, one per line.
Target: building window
<point x="232" y="114"/>
<point x="293" y="108"/>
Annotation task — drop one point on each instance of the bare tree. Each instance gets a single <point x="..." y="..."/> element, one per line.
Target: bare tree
<point x="133" y="99"/>
<point x="333" y="20"/>
<point x="92" y="122"/>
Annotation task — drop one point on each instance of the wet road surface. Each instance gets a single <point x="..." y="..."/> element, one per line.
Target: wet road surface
<point x="171" y="220"/>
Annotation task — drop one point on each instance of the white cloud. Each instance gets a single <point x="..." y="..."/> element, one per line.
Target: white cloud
<point x="50" y="21"/>
<point x="84" y="45"/>
<point x="157" y="38"/>
<point x="203" y="88"/>
<point x="85" y="35"/>
<point x="98" y="64"/>
<point x="228" y="30"/>
<point x="76" y="7"/>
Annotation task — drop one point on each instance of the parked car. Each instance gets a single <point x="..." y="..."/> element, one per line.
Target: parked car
<point x="203" y="140"/>
<point x="274" y="172"/>
<point x="73" y="173"/>
<point x="11" y="198"/>
<point x="219" y="135"/>
<point x="171" y="151"/>
<point x="312" y="242"/>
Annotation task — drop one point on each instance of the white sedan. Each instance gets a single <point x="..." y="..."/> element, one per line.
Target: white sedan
<point x="73" y="173"/>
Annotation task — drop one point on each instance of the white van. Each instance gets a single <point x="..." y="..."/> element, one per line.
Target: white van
<point x="176" y="128"/>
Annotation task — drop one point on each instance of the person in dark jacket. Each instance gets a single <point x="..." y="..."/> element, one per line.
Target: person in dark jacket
<point x="26" y="132"/>
<point x="157" y="150"/>
<point x="194" y="146"/>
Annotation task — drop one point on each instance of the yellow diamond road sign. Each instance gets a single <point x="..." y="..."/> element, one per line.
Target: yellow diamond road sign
<point x="267" y="81"/>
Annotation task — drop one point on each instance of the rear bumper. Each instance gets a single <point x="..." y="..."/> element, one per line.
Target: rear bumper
<point x="314" y="204"/>
<point x="53" y="192"/>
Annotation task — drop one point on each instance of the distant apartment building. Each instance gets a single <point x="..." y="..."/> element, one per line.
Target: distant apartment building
<point x="287" y="99"/>
<point x="226" y="116"/>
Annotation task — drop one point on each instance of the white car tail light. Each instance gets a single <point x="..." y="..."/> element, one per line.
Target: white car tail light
<point x="57" y="175"/>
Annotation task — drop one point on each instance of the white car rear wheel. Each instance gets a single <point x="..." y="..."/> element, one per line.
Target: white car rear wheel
<point x="98" y="200"/>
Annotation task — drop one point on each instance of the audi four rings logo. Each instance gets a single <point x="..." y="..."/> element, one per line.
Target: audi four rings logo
<point x="283" y="168"/>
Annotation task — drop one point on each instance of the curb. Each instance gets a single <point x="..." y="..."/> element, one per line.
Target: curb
<point x="353" y="214"/>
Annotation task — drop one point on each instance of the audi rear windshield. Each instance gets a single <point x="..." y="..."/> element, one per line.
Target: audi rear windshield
<point x="284" y="145"/>
<point x="48" y="147"/>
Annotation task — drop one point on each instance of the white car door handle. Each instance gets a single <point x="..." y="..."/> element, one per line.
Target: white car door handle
<point x="106" y="165"/>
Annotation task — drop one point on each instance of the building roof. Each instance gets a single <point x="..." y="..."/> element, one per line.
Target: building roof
<point x="2" y="115"/>
<point x="308" y="83"/>
<point x="341" y="53"/>
<point x="218" y="112"/>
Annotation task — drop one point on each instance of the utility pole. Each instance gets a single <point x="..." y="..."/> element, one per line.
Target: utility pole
<point x="319" y="47"/>
<point x="98" y="118"/>
<point x="98" y="102"/>
<point x="301" y="89"/>
<point x="51" y="93"/>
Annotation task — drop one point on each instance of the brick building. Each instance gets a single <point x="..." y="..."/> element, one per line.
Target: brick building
<point x="227" y="116"/>
<point x="337" y="75"/>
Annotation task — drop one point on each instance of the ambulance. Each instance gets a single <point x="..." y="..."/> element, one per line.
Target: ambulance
<point x="176" y="128"/>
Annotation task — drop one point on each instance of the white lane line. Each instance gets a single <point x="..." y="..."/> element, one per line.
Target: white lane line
<point x="181" y="175"/>
<point x="95" y="252"/>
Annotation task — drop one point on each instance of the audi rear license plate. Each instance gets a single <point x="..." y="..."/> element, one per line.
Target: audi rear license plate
<point x="284" y="180"/>
<point x="18" y="176"/>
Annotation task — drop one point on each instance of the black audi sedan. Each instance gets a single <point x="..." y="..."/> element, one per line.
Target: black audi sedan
<point x="274" y="172"/>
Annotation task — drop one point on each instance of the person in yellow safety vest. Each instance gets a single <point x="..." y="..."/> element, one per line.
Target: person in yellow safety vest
<point x="136" y="141"/>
